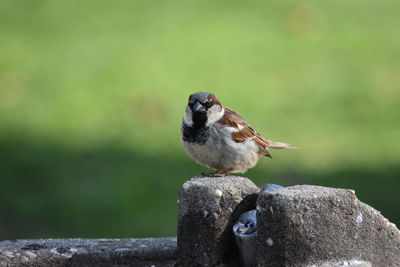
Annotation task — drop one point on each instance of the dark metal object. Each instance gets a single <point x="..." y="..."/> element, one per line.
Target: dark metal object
<point x="245" y="230"/>
<point x="268" y="187"/>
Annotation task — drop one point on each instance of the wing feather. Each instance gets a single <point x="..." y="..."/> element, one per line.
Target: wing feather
<point x="243" y="131"/>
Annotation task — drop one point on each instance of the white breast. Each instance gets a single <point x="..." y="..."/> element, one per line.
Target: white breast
<point x="220" y="152"/>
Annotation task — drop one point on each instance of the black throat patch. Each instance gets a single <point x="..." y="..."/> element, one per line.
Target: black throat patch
<point x="198" y="133"/>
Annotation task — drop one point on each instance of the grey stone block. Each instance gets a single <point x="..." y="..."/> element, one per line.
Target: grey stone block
<point x="306" y="225"/>
<point x="89" y="252"/>
<point x="208" y="208"/>
<point x="354" y="263"/>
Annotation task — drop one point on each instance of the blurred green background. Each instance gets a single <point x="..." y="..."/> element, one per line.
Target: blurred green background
<point x="92" y="94"/>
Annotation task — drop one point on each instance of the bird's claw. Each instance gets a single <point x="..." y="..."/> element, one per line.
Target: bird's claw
<point x="213" y="174"/>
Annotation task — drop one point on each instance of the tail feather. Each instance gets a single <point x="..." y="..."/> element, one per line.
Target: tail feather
<point x="279" y="145"/>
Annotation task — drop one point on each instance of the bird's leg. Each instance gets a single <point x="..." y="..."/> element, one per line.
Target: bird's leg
<point x="218" y="173"/>
<point x="222" y="173"/>
<point x="212" y="174"/>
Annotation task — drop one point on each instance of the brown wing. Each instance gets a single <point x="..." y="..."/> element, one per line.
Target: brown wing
<point x="244" y="131"/>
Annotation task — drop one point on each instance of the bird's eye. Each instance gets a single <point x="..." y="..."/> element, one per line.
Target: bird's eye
<point x="190" y="104"/>
<point x="208" y="104"/>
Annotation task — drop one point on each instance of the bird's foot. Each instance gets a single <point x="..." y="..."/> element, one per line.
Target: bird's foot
<point x="213" y="174"/>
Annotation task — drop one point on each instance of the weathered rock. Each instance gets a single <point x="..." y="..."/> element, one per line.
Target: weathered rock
<point x="296" y="226"/>
<point x="354" y="263"/>
<point x="208" y="208"/>
<point x="307" y="225"/>
<point x="89" y="252"/>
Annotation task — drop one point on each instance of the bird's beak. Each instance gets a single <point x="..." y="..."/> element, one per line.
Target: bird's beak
<point x="198" y="107"/>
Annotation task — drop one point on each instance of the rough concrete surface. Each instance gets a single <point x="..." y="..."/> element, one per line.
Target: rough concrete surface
<point x="89" y="252"/>
<point x="208" y="208"/>
<point x="354" y="263"/>
<point x="306" y="225"/>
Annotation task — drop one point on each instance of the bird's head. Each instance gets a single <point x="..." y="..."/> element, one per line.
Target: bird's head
<point x="203" y="109"/>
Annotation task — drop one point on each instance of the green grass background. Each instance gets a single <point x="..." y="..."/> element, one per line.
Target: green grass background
<point x="92" y="94"/>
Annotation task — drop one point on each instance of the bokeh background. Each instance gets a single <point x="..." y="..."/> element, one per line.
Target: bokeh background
<point x="92" y="94"/>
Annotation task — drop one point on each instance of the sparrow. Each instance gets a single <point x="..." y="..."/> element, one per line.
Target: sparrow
<point x="218" y="138"/>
